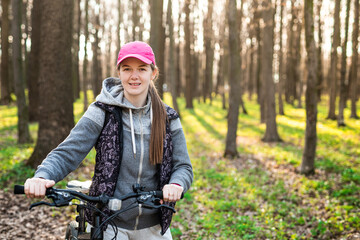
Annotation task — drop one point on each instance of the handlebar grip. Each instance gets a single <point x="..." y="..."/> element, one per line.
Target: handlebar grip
<point x="19" y="189"/>
<point x="159" y="194"/>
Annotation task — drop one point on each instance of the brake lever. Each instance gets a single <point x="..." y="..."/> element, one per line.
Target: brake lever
<point x="41" y="203"/>
<point x="168" y="207"/>
<point x="153" y="206"/>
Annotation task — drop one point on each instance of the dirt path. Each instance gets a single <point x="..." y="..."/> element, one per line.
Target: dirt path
<point x="17" y="222"/>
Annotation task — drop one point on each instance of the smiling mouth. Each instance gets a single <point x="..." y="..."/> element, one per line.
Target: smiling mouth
<point x="134" y="84"/>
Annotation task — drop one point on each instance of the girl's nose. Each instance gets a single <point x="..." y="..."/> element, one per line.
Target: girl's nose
<point x="135" y="75"/>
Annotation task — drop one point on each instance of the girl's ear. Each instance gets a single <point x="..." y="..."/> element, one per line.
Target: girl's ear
<point x="154" y="74"/>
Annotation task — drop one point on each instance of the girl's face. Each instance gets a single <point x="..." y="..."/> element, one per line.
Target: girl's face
<point x="135" y="76"/>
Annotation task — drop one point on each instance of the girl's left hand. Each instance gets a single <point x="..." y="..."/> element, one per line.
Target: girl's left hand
<point x="172" y="192"/>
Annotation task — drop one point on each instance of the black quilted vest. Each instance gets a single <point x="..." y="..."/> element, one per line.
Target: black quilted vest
<point x="109" y="147"/>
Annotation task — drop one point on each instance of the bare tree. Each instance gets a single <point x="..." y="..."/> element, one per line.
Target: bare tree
<point x="179" y="56"/>
<point x="281" y="61"/>
<point x="299" y="83"/>
<point x="171" y="62"/>
<point x="333" y="64"/>
<point x="32" y="71"/>
<point x="320" y="72"/>
<point x="5" y="31"/>
<point x="271" y="134"/>
<point x="259" y="86"/>
<point x="135" y="20"/>
<point x="157" y="39"/>
<point x="251" y="64"/>
<point x="118" y="39"/>
<point x="354" y="61"/>
<point x="187" y="52"/>
<point x="343" y="84"/>
<point x="223" y="65"/>
<point x="308" y="159"/>
<point x="234" y="79"/>
<point x="290" y="84"/>
<point x="56" y="116"/>
<point x="76" y="46"/>
<point x="85" y="62"/>
<point x="209" y="52"/>
<point x="259" y="59"/>
<point x="96" y="61"/>
<point x="23" y="112"/>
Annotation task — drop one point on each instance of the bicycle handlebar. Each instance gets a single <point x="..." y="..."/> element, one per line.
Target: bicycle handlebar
<point x="19" y="189"/>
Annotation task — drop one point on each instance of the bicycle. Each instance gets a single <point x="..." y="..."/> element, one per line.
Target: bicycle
<point x="77" y="229"/>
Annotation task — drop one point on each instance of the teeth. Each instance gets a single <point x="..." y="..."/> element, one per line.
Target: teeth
<point x="135" y="84"/>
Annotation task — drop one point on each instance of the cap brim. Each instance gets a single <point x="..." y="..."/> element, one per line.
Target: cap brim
<point x="141" y="58"/>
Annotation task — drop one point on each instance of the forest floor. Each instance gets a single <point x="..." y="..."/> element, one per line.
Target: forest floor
<point x="258" y="195"/>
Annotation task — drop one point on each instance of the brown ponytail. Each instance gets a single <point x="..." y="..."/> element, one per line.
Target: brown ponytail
<point x="158" y="127"/>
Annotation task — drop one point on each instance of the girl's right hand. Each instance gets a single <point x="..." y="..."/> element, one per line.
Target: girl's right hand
<point x="36" y="187"/>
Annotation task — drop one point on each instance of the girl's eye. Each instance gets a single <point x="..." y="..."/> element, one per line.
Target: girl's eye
<point x="142" y="69"/>
<point x="126" y="69"/>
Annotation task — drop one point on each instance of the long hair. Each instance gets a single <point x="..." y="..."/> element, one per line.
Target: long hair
<point x="158" y="126"/>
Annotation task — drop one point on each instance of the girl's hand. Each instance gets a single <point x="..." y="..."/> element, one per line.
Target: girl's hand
<point x="36" y="187"/>
<point x="172" y="192"/>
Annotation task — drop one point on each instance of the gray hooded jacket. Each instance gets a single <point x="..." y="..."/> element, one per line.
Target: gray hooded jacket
<point x="135" y="165"/>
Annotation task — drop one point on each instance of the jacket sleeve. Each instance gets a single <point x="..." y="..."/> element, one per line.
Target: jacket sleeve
<point x="70" y="153"/>
<point x="182" y="172"/>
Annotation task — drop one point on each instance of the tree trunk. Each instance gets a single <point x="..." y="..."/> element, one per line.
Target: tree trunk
<point x="5" y="31"/>
<point x="308" y="159"/>
<point x="258" y="58"/>
<point x="135" y="20"/>
<point x="271" y="134"/>
<point x="281" y="76"/>
<point x="297" y="62"/>
<point x="157" y="39"/>
<point x="209" y="52"/>
<point x="290" y="86"/>
<point x="251" y="68"/>
<point x="343" y="84"/>
<point x="234" y="80"/>
<point x="55" y="86"/>
<point x="333" y="65"/>
<point x="118" y="38"/>
<point x="171" y="62"/>
<point x="85" y="62"/>
<point x="22" y="108"/>
<point x="225" y="69"/>
<point x="354" y="61"/>
<point x="33" y="63"/>
<point x="76" y="46"/>
<point x="25" y="37"/>
<point x="179" y="58"/>
<point x="188" y="87"/>
<point x="96" y="62"/>
<point x="320" y="72"/>
<point x="222" y="70"/>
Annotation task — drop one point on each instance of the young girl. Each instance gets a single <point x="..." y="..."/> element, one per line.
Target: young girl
<point x="138" y="139"/>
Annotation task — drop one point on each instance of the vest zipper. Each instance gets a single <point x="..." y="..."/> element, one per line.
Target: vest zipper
<point x="140" y="164"/>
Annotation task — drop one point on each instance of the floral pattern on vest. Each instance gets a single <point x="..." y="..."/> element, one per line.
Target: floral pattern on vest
<point x="108" y="156"/>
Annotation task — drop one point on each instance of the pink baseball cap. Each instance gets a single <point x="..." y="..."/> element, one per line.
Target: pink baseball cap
<point x="137" y="49"/>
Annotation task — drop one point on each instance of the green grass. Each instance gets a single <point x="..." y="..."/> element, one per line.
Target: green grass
<point x="246" y="198"/>
<point x="259" y="195"/>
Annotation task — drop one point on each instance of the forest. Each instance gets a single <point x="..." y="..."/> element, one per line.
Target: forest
<point x="267" y="92"/>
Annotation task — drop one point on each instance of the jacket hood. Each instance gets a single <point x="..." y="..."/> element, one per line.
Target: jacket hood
<point x="112" y="93"/>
